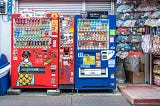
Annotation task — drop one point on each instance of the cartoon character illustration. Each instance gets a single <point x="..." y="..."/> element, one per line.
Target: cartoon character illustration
<point x="25" y="79"/>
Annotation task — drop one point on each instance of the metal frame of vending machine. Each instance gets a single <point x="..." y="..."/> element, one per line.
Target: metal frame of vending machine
<point x="34" y="51"/>
<point x="66" y="52"/>
<point x="95" y="56"/>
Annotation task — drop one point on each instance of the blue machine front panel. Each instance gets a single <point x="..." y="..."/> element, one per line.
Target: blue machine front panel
<point x="95" y="53"/>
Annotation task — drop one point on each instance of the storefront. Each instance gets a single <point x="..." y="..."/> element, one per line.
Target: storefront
<point x="133" y="61"/>
<point x="137" y="48"/>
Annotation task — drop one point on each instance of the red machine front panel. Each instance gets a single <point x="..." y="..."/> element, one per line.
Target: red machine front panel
<point x="66" y="50"/>
<point x="35" y="51"/>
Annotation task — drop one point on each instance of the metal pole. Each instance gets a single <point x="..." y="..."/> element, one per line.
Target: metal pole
<point x="16" y="6"/>
<point x="151" y="68"/>
<point x="112" y="7"/>
<point x="83" y="5"/>
<point x="146" y="67"/>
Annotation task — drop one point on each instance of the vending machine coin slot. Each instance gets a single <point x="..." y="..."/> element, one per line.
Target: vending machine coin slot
<point x="104" y="55"/>
<point x="103" y="72"/>
<point x="66" y="51"/>
<point x="32" y="70"/>
<point x="62" y="36"/>
<point x="53" y="68"/>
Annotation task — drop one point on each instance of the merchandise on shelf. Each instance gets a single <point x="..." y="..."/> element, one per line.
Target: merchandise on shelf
<point x="123" y="31"/>
<point x="122" y="54"/>
<point x="144" y="22"/>
<point x="157" y="80"/>
<point x="148" y="6"/>
<point x="156" y="40"/>
<point x="125" y="8"/>
<point x="134" y="16"/>
<point x="156" y="69"/>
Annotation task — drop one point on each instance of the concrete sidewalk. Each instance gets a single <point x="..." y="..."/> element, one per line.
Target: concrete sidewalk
<point x="64" y="100"/>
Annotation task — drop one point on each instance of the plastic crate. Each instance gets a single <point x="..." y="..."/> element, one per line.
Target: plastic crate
<point x="4" y="74"/>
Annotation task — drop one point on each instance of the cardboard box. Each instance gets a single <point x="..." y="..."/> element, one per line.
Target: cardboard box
<point x="135" y="77"/>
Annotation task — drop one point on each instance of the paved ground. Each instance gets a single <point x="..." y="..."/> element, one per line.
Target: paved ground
<point x="65" y="99"/>
<point x="116" y="100"/>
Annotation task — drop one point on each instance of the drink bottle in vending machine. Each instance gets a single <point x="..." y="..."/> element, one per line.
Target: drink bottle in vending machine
<point x="66" y="52"/>
<point x="34" y="51"/>
<point x="95" y="57"/>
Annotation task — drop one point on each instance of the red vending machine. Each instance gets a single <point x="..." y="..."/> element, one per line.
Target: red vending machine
<point x="66" y="52"/>
<point x="34" y="54"/>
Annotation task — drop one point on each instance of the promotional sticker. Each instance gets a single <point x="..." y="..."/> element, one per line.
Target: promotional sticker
<point x="89" y="60"/>
<point x="112" y="39"/>
<point x="112" y="75"/>
<point x="98" y="63"/>
<point x="111" y="63"/>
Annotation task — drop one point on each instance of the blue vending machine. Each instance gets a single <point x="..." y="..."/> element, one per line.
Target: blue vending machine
<point x="95" y="58"/>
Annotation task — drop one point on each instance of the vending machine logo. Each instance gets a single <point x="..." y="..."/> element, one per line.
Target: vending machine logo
<point x="32" y="13"/>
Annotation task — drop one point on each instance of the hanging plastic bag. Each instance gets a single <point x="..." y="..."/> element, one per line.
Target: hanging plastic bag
<point x="146" y="43"/>
<point x="132" y="64"/>
<point x="121" y="77"/>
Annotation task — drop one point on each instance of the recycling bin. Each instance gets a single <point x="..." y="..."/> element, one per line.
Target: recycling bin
<point x="4" y="74"/>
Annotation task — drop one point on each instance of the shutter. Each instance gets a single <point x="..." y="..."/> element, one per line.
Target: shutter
<point x="98" y="5"/>
<point x="66" y="7"/>
<point x="115" y="7"/>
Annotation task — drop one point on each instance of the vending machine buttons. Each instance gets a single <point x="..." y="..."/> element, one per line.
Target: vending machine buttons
<point x="104" y="55"/>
